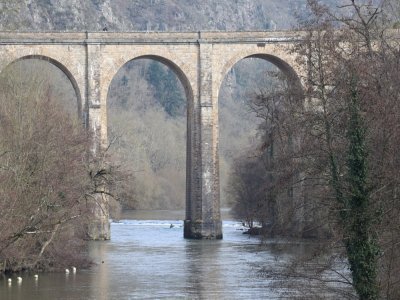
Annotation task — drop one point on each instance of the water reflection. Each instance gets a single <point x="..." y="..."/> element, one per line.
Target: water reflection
<point x="203" y="273"/>
<point x="100" y="280"/>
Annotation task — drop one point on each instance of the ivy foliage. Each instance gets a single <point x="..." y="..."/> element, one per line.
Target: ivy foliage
<point x="361" y="240"/>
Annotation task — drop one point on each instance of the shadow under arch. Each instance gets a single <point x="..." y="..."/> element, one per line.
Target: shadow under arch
<point x="291" y="75"/>
<point x="190" y="118"/>
<point x="63" y="69"/>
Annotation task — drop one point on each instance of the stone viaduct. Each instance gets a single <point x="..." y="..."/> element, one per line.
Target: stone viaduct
<point x="200" y="59"/>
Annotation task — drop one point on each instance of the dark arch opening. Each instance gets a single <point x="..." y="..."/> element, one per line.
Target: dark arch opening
<point x="141" y="77"/>
<point x="64" y="70"/>
<point x="248" y="144"/>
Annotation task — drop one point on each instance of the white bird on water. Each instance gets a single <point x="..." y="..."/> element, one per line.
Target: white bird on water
<point x="73" y="270"/>
<point x="66" y="271"/>
<point x="36" y="276"/>
<point x="9" y="280"/>
<point x="19" y="279"/>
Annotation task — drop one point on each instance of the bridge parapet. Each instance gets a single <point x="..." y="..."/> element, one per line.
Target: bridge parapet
<point x="158" y="37"/>
<point x="149" y="37"/>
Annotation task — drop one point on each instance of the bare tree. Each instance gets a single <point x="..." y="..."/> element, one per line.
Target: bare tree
<point x="353" y="68"/>
<point x="47" y="176"/>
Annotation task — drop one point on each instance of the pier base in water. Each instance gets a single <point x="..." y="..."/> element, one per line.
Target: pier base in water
<point x="202" y="230"/>
<point x="99" y="230"/>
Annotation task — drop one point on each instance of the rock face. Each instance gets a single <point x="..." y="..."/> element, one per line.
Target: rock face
<point x="150" y="15"/>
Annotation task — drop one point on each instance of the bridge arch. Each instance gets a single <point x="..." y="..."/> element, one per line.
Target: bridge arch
<point x="111" y="68"/>
<point x="288" y="66"/>
<point x="61" y="67"/>
<point x="187" y="84"/>
<point x="165" y="61"/>
<point x="176" y="68"/>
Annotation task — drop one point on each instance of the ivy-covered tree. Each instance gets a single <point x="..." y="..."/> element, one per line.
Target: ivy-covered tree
<point x="358" y="217"/>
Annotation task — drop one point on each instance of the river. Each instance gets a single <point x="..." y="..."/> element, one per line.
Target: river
<point x="147" y="258"/>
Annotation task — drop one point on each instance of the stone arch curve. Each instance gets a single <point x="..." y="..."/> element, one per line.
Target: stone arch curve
<point x="291" y="70"/>
<point x="187" y="84"/>
<point x="183" y="77"/>
<point x="61" y="67"/>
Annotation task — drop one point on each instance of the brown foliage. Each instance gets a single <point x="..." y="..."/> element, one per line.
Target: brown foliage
<point x="43" y="178"/>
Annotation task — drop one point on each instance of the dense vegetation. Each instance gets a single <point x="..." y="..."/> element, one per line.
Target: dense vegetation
<point x="334" y="154"/>
<point x="44" y="175"/>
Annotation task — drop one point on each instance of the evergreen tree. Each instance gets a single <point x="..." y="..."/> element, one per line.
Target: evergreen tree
<point x="166" y="87"/>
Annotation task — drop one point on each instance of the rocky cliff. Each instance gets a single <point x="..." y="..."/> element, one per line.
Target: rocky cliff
<point x="140" y="15"/>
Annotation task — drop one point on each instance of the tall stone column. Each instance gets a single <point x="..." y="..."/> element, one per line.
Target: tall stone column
<point x="203" y="219"/>
<point x="98" y="225"/>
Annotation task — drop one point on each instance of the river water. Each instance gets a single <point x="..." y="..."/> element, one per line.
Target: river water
<point x="147" y="258"/>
